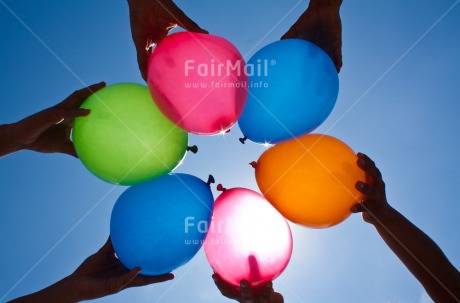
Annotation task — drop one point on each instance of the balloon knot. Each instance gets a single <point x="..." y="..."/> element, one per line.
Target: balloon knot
<point x="242" y="140"/>
<point x="221" y="188"/>
<point x="253" y="164"/>
<point x="193" y="149"/>
<point x="227" y="131"/>
<point x="210" y="180"/>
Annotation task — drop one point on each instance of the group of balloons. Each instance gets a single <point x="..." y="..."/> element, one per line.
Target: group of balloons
<point x="200" y="84"/>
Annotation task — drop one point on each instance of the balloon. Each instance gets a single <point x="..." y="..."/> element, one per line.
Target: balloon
<point x="292" y="94"/>
<point x="125" y="139"/>
<point x="198" y="81"/>
<point x="248" y="239"/>
<point x="310" y="180"/>
<point x="161" y="224"/>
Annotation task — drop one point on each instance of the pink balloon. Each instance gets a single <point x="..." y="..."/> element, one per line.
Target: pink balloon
<point x="198" y="81"/>
<point x="248" y="239"/>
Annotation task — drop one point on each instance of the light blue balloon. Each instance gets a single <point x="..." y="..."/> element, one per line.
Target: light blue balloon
<point x="293" y="88"/>
<point x="161" y="224"/>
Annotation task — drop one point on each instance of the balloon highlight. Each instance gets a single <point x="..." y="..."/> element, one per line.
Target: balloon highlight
<point x="248" y="239"/>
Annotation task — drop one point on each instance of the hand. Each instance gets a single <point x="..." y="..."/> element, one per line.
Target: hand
<point x="103" y="274"/>
<point x="151" y="20"/>
<point x="245" y="294"/>
<point x="374" y="206"/>
<point x="320" y="24"/>
<point x="49" y="130"/>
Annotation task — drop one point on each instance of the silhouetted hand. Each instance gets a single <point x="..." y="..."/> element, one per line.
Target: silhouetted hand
<point x="49" y="130"/>
<point x="245" y="294"/>
<point x="151" y="20"/>
<point x="375" y="205"/>
<point x="99" y="275"/>
<point x="419" y="253"/>
<point x="103" y="274"/>
<point x="321" y="24"/>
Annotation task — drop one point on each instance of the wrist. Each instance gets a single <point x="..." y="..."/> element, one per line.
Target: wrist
<point x="59" y="292"/>
<point x="325" y="4"/>
<point x="73" y="293"/>
<point x="8" y="139"/>
<point x="385" y="215"/>
<point x="136" y="3"/>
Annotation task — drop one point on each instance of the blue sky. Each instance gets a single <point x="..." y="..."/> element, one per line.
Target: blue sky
<point x="398" y="102"/>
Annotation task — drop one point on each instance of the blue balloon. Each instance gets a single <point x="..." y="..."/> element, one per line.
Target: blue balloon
<point x="293" y="88"/>
<point x="161" y="224"/>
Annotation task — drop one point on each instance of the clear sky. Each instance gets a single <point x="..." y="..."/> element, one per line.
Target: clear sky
<point x="399" y="102"/>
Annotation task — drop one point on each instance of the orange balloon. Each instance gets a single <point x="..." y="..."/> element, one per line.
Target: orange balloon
<point x="310" y="180"/>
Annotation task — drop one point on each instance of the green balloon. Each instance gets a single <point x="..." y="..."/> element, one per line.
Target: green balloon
<point x="126" y="139"/>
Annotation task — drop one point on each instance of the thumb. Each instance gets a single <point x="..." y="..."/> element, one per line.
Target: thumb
<point x="290" y="34"/>
<point x="338" y="61"/>
<point x="41" y="121"/>
<point x="69" y="148"/>
<point x="186" y="23"/>
<point x="358" y="208"/>
<point x="277" y="298"/>
<point x="125" y="280"/>
<point x="190" y="25"/>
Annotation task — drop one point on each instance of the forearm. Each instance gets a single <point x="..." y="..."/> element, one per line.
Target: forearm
<point x="60" y="292"/>
<point x="421" y="256"/>
<point x="135" y="3"/>
<point x="8" y="142"/>
<point x="324" y="3"/>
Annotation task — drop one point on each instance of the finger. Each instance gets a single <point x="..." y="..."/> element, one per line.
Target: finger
<point x="182" y="20"/>
<point x="107" y="248"/>
<point x="246" y="292"/>
<point x="218" y="281"/>
<point x="368" y="190"/>
<point x="225" y="289"/>
<point x="277" y="298"/>
<point x="216" y="277"/>
<point x="290" y="34"/>
<point x="142" y="57"/>
<point x="143" y="43"/>
<point x="41" y="121"/>
<point x="266" y="293"/>
<point x="368" y="166"/>
<point x="160" y="36"/>
<point x="79" y="96"/>
<point x="124" y="280"/>
<point x="337" y="58"/>
<point x="142" y="280"/>
<point x="359" y="208"/>
<point x="75" y="112"/>
<point x="365" y="158"/>
<point x="188" y="24"/>
<point x="69" y="148"/>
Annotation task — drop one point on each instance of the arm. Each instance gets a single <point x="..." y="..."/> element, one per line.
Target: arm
<point x="100" y="275"/>
<point x="415" y="249"/>
<point x="49" y="130"/>
<point x="58" y="292"/>
<point x="321" y="24"/>
<point x="151" y="20"/>
<point x="8" y="143"/>
<point x="245" y="294"/>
